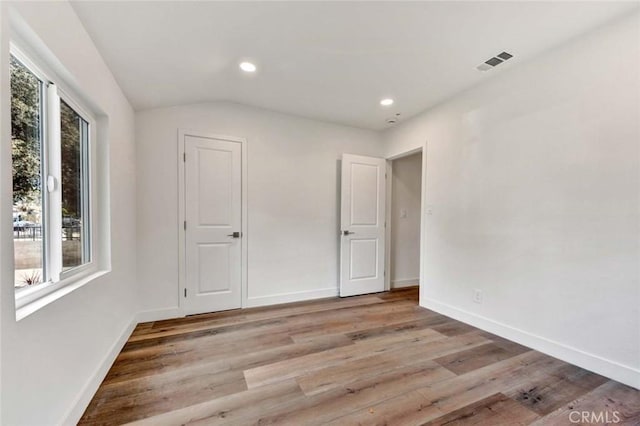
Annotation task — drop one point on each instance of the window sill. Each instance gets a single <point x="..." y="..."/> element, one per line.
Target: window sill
<point x="63" y="288"/>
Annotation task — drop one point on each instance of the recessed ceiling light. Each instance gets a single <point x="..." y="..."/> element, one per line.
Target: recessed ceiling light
<point x="386" y="102"/>
<point x="247" y="67"/>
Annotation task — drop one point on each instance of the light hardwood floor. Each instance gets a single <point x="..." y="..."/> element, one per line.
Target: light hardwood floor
<point x="374" y="359"/>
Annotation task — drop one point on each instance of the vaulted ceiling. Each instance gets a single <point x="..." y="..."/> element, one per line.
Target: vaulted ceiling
<point x="331" y="61"/>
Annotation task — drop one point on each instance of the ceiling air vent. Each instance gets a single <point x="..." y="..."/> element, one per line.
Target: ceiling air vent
<point x="495" y="61"/>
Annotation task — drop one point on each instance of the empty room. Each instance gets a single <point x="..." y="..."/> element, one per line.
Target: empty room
<point x="318" y="212"/>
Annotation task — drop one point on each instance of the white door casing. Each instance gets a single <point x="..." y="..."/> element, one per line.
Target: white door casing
<point x="212" y="214"/>
<point x="362" y="232"/>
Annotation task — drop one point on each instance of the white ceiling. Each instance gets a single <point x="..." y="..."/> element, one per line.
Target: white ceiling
<point x="331" y="61"/>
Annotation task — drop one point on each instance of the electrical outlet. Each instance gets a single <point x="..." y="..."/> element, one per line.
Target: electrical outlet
<point x="477" y="295"/>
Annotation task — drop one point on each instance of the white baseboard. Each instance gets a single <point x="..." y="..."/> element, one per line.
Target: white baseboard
<point x="159" y="314"/>
<point x="611" y="369"/>
<point x="92" y="385"/>
<point x="296" y="296"/>
<point x="410" y="282"/>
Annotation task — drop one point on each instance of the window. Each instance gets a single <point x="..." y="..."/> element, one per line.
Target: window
<point x="51" y="155"/>
<point x="74" y="136"/>
<point x="26" y="149"/>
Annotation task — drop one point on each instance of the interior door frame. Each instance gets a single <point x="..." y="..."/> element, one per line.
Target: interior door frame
<point x="182" y="133"/>
<point x="423" y="212"/>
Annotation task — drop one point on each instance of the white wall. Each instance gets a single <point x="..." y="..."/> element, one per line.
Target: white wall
<point x="52" y="360"/>
<point x="534" y="186"/>
<point x="405" y="231"/>
<point x="293" y="189"/>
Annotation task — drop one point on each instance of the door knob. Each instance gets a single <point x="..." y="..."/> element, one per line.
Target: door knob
<point x="345" y="233"/>
<point x="235" y="235"/>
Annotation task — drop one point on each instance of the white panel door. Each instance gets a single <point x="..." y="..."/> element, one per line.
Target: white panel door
<point x="213" y="213"/>
<point x="362" y="225"/>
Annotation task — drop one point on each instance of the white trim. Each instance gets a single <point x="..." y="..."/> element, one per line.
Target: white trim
<point x="294" y="296"/>
<point x="388" y="225"/>
<point x="409" y="282"/>
<point x="423" y="222"/>
<point x="182" y="213"/>
<point x="245" y="224"/>
<point x="159" y="314"/>
<point x="614" y="370"/>
<point x="407" y="153"/>
<point x="93" y="383"/>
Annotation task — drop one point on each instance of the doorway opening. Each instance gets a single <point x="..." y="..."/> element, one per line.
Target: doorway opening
<point x="404" y="221"/>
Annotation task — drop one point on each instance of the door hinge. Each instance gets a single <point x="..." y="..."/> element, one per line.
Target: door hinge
<point x="184" y="157"/>
<point x="185" y="292"/>
<point x="185" y="225"/>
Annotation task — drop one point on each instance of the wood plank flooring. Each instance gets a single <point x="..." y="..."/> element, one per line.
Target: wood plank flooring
<point x="375" y="359"/>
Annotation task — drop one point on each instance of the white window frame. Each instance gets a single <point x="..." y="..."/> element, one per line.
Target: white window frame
<point x="91" y="193"/>
<point x="59" y="282"/>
